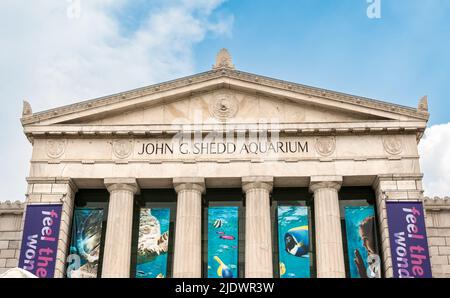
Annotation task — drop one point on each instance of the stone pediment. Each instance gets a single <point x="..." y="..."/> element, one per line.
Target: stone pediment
<point x="225" y="95"/>
<point x="228" y="106"/>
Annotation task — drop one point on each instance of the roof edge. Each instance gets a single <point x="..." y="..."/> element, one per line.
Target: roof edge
<point x="31" y="118"/>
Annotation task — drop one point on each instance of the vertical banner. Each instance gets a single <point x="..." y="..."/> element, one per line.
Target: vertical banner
<point x="40" y="240"/>
<point x="85" y="244"/>
<point x="363" y="254"/>
<point x="153" y="243"/>
<point x="408" y="239"/>
<point x="293" y="242"/>
<point x="223" y="229"/>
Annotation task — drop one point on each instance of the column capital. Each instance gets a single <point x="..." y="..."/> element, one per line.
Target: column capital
<point x="53" y="180"/>
<point x="189" y="183"/>
<point x="257" y="182"/>
<point x="130" y="184"/>
<point x="318" y="182"/>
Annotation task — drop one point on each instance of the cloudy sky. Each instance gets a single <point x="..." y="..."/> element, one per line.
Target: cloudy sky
<point x="56" y="52"/>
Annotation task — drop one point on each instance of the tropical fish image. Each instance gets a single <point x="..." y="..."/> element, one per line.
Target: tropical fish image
<point x="293" y="242"/>
<point x="227" y="237"/>
<point x="223" y="233"/>
<point x="282" y="269"/>
<point x="297" y="241"/>
<point x="223" y="271"/>
<point x="218" y="223"/>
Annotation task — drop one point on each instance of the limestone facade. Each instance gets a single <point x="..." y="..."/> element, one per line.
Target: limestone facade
<point x="10" y="234"/>
<point x="437" y="219"/>
<point x="229" y="129"/>
<point x="438" y="230"/>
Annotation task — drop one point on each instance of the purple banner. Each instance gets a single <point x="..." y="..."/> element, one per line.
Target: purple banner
<point x="408" y="238"/>
<point x="40" y="239"/>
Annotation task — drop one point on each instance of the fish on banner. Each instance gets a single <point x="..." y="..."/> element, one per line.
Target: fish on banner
<point x="293" y="242"/>
<point x="223" y="228"/>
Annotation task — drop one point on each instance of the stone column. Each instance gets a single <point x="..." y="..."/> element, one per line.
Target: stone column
<point x="258" y="229"/>
<point x="188" y="228"/>
<point x="329" y="249"/>
<point x="117" y="251"/>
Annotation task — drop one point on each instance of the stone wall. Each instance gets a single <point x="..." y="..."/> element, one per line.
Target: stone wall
<point x="10" y="234"/>
<point x="438" y="232"/>
<point x="437" y="220"/>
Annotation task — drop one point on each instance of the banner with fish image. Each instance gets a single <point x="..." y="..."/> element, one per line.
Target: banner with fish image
<point x="223" y="229"/>
<point x="293" y="242"/>
<point x="363" y="254"/>
<point x="85" y="244"/>
<point x="153" y="243"/>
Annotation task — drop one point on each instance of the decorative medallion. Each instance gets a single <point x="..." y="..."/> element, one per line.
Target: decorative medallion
<point x="325" y="146"/>
<point x="122" y="148"/>
<point x="392" y="144"/>
<point x="56" y="148"/>
<point x="224" y="106"/>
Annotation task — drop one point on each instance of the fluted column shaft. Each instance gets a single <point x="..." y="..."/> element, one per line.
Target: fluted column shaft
<point x="117" y="251"/>
<point x="258" y="230"/>
<point x="329" y="249"/>
<point x="188" y="228"/>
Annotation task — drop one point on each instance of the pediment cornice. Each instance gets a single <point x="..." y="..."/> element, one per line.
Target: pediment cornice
<point x="345" y="128"/>
<point x="225" y="74"/>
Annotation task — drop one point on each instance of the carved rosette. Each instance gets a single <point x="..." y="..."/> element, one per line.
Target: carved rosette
<point x="56" y="148"/>
<point x="325" y="146"/>
<point x="122" y="148"/>
<point x="392" y="145"/>
<point x="224" y="106"/>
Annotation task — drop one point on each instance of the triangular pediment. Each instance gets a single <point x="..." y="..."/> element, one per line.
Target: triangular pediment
<point x="231" y="106"/>
<point x="225" y="95"/>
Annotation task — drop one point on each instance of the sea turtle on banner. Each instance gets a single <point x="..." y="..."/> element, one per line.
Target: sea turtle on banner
<point x="151" y="242"/>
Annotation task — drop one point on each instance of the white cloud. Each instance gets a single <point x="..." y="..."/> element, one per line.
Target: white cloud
<point x="434" y="150"/>
<point x="52" y="56"/>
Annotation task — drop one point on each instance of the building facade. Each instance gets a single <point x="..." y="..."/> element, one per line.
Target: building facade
<point x="226" y="138"/>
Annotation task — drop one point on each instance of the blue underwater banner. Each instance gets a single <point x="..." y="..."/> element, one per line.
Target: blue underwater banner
<point x="153" y="243"/>
<point x="293" y="242"/>
<point x="363" y="254"/>
<point x="85" y="244"/>
<point x="223" y="229"/>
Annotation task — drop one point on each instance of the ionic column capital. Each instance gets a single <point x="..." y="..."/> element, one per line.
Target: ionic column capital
<point x="189" y="183"/>
<point x="117" y="184"/>
<point x="257" y="182"/>
<point x="319" y="182"/>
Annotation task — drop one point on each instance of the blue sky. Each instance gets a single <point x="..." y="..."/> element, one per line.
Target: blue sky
<point x="61" y="52"/>
<point x="333" y="44"/>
